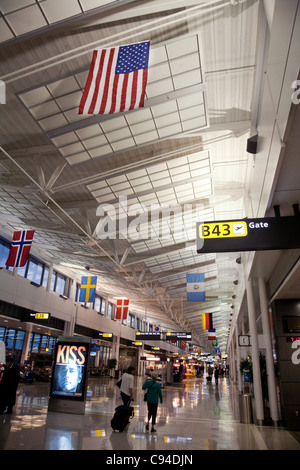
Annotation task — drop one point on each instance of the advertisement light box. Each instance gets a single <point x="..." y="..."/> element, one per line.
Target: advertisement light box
<point x="69" y="377"/>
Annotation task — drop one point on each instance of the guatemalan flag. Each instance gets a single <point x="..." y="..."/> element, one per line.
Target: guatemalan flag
<point x="20" y="247"/>
<point x="195" y="287"/>
<point x="117" y="79"/>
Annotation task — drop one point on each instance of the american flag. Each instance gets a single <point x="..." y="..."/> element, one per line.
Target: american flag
<point x="117" y="79"/>
<point x="122" y="309"/>
<point x="20" y="247"/>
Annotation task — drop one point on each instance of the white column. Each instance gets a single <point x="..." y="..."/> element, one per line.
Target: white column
<point x="238" y="359"/>
<point x="269" y="351"/>
<point x="259" y="408"/>
<point x="49" y="277"/>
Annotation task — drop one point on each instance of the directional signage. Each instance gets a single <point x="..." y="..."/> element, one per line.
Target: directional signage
<point x="182" y="335"/>
<point x="42" y="318"/>
<point x="144" y="336"/>
<point x="270" y="233"/>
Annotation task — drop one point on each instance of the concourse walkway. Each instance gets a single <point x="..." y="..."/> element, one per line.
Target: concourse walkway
<point x="195" y="415"/>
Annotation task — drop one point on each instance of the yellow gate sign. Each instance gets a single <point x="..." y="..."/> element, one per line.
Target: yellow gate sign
<point x="223" y="229"/>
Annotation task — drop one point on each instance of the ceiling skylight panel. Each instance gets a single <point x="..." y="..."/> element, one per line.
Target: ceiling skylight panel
<point x="52" y="122"/>
<point x="69" y="101"/>
<point x="147" y="137"/>
<point x="159" y="88"/>
<point x="167" y="119"/>
<point x="192" y="112"/>
<point x="195" y="123"/>
<point x="5" y="32"/>
<point x="170" y="130"/>
<point x="123" y="144"/>
<point x="100" y="151"/>
<point x="79" y="158"/>
<point x="25" y="20"/>
<point x="36" y="96"/>
<point x="56" y="10"/>
<point x="61" y="87"/>
<point x="158" y="72"/>
<point x="41" y="110"/>
<point x="94" y="142"/>
<point x="142" y="127"/>
<point x="71" y="149"/>
<point x="89" y="4"/>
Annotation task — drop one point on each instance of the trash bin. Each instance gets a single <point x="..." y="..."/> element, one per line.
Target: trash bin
<point x="246" y="415"/>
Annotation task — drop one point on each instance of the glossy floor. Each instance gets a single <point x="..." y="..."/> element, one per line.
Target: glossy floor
<point x="195" y="415"/>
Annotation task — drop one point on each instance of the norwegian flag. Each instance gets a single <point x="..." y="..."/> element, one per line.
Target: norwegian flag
<point x="20" y="247"/>
<point x="122" y="309"/>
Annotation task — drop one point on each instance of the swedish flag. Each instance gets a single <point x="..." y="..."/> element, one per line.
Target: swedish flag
<point x="88" y="289"/>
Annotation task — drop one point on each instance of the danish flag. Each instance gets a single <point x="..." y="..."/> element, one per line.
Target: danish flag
<point x="20" y="247"/>
<point x="122" y="309"/>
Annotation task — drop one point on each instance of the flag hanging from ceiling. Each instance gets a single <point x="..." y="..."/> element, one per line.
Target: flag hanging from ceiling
<point x="206" y="321"/>
<point x="117" y="79"/>
<point x="20" y="247"/>
<point x="211" y="334"/>
<point x="88" y="289"/>
<point x="122" y="309"/>
<point x="195" y="287"/>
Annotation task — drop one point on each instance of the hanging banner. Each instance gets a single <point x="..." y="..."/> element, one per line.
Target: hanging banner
<point x="269" y="233"/>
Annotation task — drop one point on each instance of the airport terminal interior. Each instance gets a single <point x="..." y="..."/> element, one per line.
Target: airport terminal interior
<point x="149" y="218"/>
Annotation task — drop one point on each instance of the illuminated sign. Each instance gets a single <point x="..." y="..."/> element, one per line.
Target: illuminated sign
<point x="70" y="370"/>
<point x="223" y="229"/>
<point x="174" y="336"/>
<point x="270" y="233"/>
<point x="106" y="335"/>
<point x="144" y="336"/>
<point x="41" y="318"/>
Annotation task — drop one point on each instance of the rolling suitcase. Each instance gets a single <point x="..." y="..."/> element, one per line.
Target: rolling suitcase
<point x="121" y="417"/>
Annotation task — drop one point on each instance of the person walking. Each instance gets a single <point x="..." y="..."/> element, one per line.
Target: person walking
<point x="8" y="387"/>
<point x="153" y="394"/>
<point x="126" y="387"/>
<point x="216" y="375"/>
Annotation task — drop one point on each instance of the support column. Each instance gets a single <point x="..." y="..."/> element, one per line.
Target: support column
<point x="49" y="277"/>
<point x="259" y="408"/>
<point x="25" y="349"/>
<point x="238" y="359"/>
<point x="116" y="349"/>
<point x="269" y="350"/>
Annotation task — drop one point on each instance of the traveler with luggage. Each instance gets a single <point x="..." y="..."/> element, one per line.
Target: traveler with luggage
<point x="126" y="387"/>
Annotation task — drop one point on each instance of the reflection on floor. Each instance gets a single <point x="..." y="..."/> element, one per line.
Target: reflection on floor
<point x="195" y="415"/>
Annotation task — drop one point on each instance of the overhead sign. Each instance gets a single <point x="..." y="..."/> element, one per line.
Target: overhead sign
<point x="175" y="336"/>
<point x="147" y="336"/>
<point x="270" y="233"/>
<point x="106" y="335"/>
<point x="42" y="318"/>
